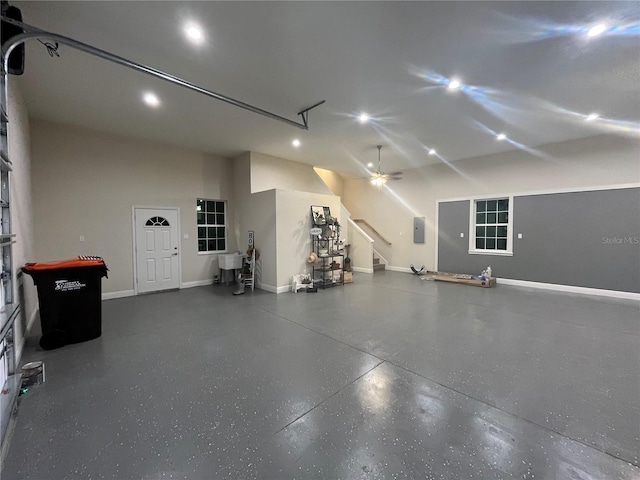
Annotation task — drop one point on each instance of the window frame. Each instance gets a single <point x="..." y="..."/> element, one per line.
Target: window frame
<point x="207" y="225"/>
<point x="472" y="228"/>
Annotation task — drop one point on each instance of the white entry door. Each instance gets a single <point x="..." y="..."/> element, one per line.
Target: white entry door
<point x="156" y="246"/>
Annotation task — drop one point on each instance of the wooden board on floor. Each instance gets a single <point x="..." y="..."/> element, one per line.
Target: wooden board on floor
<point x="462" y="278"/>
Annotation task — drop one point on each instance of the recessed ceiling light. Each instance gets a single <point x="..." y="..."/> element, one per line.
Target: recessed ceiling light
<point x="151" y="99"/>
<point x="432" y="152"/>
<point x="296" y="143"/>
<point x="596" y="30"/>
<point x="193" y="33"/>
<point x="454" y="84"/>
<point x="591" y="117"/>
<point x="363" y="118"/>
<point x="370" y="165"/>
<point x="500" y="137"/>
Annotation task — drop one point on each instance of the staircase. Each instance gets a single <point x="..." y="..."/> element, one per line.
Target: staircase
<point x="377" y="266"/>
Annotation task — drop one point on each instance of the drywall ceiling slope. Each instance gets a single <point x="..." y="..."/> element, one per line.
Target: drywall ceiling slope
<point x="529" y="70"/>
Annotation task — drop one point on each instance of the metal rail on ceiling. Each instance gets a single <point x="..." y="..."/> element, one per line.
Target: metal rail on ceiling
<point x="31" y="32"/>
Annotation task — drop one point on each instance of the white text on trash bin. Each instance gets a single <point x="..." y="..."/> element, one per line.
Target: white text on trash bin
<point x="66" y="285"/>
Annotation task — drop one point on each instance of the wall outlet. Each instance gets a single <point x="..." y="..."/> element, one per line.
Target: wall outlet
<point x="519" y="235"/>
<point x="461" y="234"/>
<point x="185" y="236"/>
<point x="82" y="238"/>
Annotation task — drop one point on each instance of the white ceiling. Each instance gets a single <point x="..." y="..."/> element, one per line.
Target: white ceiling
<point x="534" y="59"/>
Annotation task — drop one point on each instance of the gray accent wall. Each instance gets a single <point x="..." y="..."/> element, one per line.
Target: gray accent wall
<point x="586" y="239"/>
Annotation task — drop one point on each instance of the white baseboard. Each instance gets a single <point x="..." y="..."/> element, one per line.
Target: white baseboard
<point x="398" y="269"/>
<point x="268" y="288"/>
<point x="120" y="294"/>
<point x="197" y="283"/>
<point x="362" y="270"/>
<point x="570" y="289"/>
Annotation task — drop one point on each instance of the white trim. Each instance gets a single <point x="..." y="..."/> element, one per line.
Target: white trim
<point x="226" y="226"/>
<point x="197" y="283"/>
<point x="496" y="253"/>
<point x="362" y="270"/>
<point x="472" y="228"/>
<point x="120" y="294"/>
<point x="133" y="250"/>
<point x="286" y="288"/>
<point x="399" y="269"/>
<point x="271" y="288"/>
<point x="570" y="289"/>
<point x="361" y="231"/>
<point x="541" y="192"/>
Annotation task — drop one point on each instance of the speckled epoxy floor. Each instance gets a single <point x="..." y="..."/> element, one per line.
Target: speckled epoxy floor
<point x="389" y="377"/>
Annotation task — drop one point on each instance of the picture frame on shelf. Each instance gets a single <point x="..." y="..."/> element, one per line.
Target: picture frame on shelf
<point x="318" y="215"/>
<point x="327" y="216"/>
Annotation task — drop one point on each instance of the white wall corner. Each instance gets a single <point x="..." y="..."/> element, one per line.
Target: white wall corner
<point x="268" y="288"/>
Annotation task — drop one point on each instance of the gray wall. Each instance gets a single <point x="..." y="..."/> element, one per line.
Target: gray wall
<point x="586" y="239"/>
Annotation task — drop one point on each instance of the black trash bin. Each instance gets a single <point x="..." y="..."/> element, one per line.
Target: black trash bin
<point x="70" y="298"/>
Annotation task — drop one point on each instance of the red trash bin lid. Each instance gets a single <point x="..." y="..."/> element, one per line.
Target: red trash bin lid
<point x="70" y="263"/>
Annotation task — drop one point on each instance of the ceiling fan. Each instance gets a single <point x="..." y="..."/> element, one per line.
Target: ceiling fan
<point x="379" y="178"/>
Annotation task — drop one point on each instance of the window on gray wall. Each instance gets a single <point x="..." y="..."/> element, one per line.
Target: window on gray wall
<point x="212" y="225"/>
<point x="491" y="221"/>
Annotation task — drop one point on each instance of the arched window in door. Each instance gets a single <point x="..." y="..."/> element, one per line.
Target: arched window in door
<point x="157" y="222"/>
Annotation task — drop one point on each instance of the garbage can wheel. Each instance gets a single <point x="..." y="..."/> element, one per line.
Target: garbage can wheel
<point x="54" y="339"/>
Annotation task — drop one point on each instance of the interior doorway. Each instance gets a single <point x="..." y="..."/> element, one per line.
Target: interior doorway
<point x="156" y="249"/>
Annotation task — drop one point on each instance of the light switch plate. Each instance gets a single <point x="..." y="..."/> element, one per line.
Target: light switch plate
<point x="461" y="234"/>
<point x="519" y="235"/>
<point x="185" y="236"/>
<point x="82" y="238"/>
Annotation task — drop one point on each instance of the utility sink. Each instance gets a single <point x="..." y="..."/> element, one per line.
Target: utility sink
<point x="230" y="261"/>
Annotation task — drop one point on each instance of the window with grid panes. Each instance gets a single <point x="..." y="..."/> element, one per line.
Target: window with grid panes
<point x="492" y="225"/>
<point x="212" y="225"/>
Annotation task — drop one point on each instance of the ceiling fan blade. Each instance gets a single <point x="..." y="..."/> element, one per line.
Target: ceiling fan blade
<point x="394" y="174"/>
<point x="395" y="178"/>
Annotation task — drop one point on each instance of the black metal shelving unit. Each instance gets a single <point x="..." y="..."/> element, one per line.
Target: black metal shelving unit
<point x="328" y="271"/>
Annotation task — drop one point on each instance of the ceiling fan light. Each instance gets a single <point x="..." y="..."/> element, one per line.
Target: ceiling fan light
<point x="596" y="30"/>
<point x="378" y="181"/>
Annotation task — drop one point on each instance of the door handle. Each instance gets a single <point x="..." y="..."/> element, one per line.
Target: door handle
<point x="175" y="253"/>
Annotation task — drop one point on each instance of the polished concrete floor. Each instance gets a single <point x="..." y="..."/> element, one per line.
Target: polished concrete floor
<point x="389" y="377"/>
